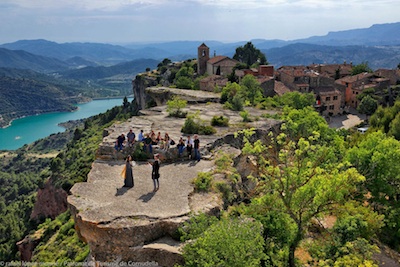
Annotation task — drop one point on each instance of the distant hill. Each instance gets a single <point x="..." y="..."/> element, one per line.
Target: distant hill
<point x="105" y="54"/>
<point x="23" y="97"/>
<point x="77" y="55"/>
<point x="305" y="54"/>
<point x="376" y="35"/>
<point x="131" y="68"/>
<point x="20" y="59"/>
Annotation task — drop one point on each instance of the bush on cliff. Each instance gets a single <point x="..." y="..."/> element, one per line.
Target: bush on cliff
<point x="175" y="106"/>
<point x="229" y="242"/>
<point x="194" y="125"/>
<point x="220" y="121"/>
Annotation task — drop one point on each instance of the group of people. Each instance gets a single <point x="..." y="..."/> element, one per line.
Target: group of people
<point x="127" y="172"/>
<point x="149" y="140"/>
<point x="192" y="147"/>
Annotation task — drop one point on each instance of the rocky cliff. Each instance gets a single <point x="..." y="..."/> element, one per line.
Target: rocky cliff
<point x="139" y="225"/>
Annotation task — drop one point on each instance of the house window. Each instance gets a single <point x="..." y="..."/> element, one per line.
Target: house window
<point x="331" y="107"/>
<point x="335" y="97"/>
<point x="328" y="98"/>
<point x="353" y="92"/>
<point x="356" y="93"/>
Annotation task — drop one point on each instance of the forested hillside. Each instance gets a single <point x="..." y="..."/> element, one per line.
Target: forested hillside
<point x="22" y="97"/>
<point x="28" y="169"/>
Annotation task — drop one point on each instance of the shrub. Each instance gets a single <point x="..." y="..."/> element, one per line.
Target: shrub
<point x="245" y="116"/>
<point x="203" y="181"/>
<point x="138" y="152"/>
<point x="193" y="125"/>
<point x="190" y="126"/>
<point x="207" y="130"/>
<point x="229" y="242"/>
<point x="195" y="226"/>
<point x="219" y="121"/>
<point x="175" y="106"/>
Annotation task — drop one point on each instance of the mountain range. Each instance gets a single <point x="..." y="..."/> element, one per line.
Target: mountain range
<point x="378" y="45"/>
<point x="96" y="70"/>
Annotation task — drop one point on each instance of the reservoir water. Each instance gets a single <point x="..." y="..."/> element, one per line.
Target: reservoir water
<point x="29" y="129"/>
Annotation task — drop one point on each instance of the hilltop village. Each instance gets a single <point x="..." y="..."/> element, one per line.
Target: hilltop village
<point x="334" y="86"/>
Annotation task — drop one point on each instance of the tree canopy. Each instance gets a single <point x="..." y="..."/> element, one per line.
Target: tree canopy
<point x="250" y="55"/>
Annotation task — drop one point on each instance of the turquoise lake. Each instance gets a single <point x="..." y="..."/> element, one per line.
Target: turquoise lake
<point x="29" y="129"/>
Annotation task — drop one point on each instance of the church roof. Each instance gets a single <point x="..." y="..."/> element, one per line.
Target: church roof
<point x="216" y="59"/>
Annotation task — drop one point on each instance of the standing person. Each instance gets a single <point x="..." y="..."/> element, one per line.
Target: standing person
<point x="128" y="182"/>
<point x="131" y="137"/>
<point x="180" y="146"/>
<point x="155" y="172"/>
<point x="196" y="148"/>
<point x="189" y="146"/>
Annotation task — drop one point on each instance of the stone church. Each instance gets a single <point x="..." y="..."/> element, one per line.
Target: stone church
<point x="217" y="65"/>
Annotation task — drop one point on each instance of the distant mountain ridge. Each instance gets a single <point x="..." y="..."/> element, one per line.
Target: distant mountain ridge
<point x="106" y="54"/>
<point x="378" y="45"/>
<point x="21" y="59"/>
<point x="376" y="35"/>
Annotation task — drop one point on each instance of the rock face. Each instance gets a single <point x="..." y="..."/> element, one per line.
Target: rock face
<point x="139" y="85"/>
<point x="137" y="224"/>
<point x="50" y="202"/>
<point x="161" y="95"/>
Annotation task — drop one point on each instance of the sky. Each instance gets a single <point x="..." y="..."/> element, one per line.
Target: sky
<point x="132" y="21"/>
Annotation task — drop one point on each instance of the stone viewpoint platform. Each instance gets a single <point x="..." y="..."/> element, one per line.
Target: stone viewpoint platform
<point x="137" y="224"/>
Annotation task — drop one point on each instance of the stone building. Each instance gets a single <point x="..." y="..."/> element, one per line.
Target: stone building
<point x="328" y="100"/>
<point x="210" y="83"/>
<point x="203" y="55"/>
<point x="220" y="65"/>
<point x="356" y="84"/>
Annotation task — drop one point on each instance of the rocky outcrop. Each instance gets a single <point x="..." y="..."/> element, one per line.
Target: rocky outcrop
<point x="139" y="84"/>
<point x="137" y="224"/>
<point x="161" y="95"/>
<point x="50" y="202"/>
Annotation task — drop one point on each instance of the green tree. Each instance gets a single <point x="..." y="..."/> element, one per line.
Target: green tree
<point x="251" y="89"/>
<point x="175" y="106"/>
<point x="229" y="242"/>
<point x="377" y="157"/>
<point x="383" y="117"/>
<point x="303" y="179"/>
<point x="367" y="106"/>
<point x="250" y="55"/>
<point x="165" y="62"/>
<point x="361" y="68"/>
<point x="296" y="100"/>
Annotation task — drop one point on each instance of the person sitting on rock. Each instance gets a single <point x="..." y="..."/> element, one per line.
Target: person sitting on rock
<point x="148" y="144"/>
<point x="158" y="138"/>
<point x="167" y="141"/>
<point x="119" y="143"/>
<point x="131" y="137"/>
<point x="180" y="146"/>
<point x="141" y="136"/>
<point x="189" y="146"/>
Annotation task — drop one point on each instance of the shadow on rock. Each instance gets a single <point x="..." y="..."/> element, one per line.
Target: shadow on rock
<point x="147" y="197"/>
<point x="122" y="190"/>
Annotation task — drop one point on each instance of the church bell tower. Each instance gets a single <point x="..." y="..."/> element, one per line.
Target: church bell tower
<point x="203" y="55"/>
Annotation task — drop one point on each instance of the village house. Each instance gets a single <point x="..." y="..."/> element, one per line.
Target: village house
<point x="356" y="84"/>
<point x="334" y="71"/>
<point x="213" y="82"/>
<point x="328" y="101"/>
